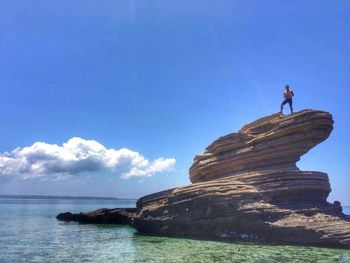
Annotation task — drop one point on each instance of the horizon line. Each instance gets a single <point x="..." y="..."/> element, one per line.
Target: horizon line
<point x="62" y="197"/>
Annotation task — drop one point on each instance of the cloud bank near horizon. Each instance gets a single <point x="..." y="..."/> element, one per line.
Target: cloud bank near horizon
<point x="78" y="156"/>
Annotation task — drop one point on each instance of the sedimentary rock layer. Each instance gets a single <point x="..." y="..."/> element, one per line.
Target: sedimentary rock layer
<point x="275" y="142"/>
<point x="235" y="211"/>
<point x="246" y="187"/>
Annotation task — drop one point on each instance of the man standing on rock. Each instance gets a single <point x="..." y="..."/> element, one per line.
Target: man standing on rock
<point x="288" y="94"/>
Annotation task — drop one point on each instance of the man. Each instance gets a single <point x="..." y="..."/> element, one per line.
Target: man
<point x="288" y="94"/>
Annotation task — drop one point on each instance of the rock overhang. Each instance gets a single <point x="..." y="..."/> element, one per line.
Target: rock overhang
<point x="275" y="142"/>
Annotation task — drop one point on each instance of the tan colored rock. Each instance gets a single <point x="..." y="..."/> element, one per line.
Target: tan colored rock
<point x="231" y="210"/>
<point x="272" y="143"/>
<point x="246" y="187"/>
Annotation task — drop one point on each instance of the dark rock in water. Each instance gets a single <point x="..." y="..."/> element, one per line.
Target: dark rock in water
<point x="337" y="207"/>
<point x="68" y="216"/>
<point x="246" y="187"/>
<point x="101" y="216"/>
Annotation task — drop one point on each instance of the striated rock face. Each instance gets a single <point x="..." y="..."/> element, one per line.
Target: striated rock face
<point x="246" y="187"/>
<point x="273" y="143"/>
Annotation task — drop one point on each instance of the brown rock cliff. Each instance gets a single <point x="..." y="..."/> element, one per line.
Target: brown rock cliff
<point x="247" y="187"/>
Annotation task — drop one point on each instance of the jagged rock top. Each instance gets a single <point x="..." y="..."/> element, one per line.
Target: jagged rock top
<point x="275" y="142"/>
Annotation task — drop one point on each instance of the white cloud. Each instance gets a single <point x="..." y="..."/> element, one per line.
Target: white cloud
<point x="78" y="156"/>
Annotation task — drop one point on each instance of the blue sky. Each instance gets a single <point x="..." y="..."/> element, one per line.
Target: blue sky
<point x="163" y="79"/>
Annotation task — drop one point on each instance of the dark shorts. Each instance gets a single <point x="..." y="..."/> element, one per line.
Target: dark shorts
<point x="289" y="101"/>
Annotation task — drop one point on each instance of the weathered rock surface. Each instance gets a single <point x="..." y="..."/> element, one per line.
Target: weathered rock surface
<point x="272" y="143"/>
<point x="247" y="187"/>
<point x="101" y="216"/>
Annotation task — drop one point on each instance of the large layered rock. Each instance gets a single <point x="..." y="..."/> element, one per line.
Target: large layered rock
<point x="273" y="143"/>
<point x="247" y="187"/>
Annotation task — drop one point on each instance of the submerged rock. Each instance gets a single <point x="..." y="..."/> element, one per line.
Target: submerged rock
<point x="247" y="187"/>
<point x="101" y="216"/>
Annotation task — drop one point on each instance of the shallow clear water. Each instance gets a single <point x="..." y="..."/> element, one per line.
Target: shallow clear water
<point x="29" y="232"/>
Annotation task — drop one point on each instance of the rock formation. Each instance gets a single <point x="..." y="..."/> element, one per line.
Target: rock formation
<point x="100" y="216"/>
<point x="246" y="187"/>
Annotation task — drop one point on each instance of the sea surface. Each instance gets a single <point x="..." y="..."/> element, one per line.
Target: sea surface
<point x="29" y="232"/>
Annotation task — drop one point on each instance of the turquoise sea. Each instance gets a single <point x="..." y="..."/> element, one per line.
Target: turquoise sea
<point x="29" y="232"/>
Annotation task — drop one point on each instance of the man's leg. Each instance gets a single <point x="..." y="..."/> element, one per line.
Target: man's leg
<point x="291" y="105"/>
<point x="283" y="103"/>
